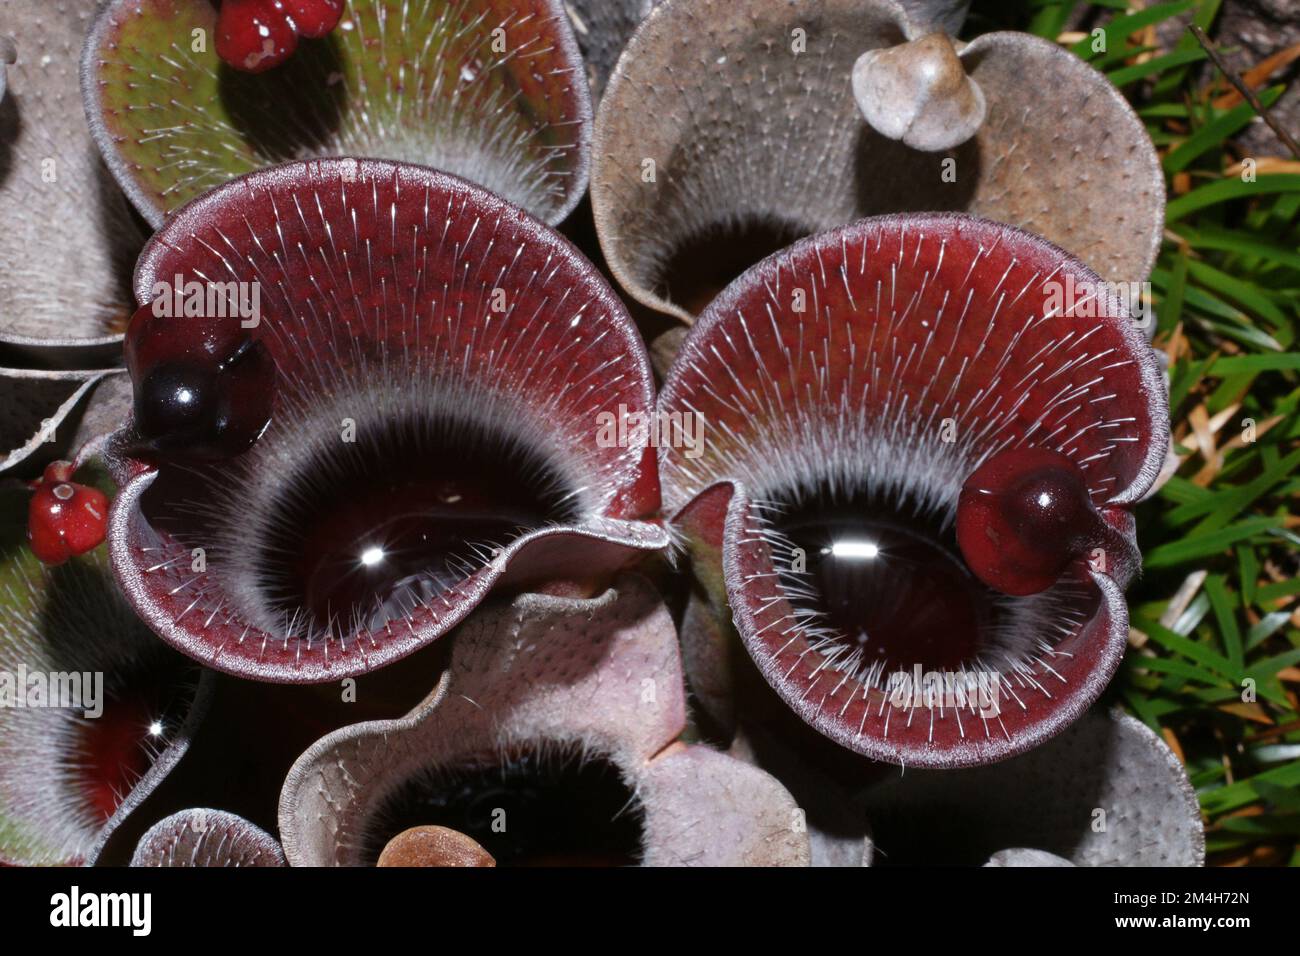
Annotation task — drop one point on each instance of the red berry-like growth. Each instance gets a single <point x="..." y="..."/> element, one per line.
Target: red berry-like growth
<point x="313" y="18"/>
<point x="65" y="519"/>
<point x="256" y="35"/>
<point x="1023" y="517"/>
<point x="203" y="387"/>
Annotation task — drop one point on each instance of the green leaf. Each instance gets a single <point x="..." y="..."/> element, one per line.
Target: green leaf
<point x="1225" y="190"/>
<point x="1237" y="364"/>
<point x="1171" y="305"/>
<point x="1164" y="111"/>
<point x="1225" y="617"/>
<point x="1200" y="546"/>
<point x="1175" y="78"/>
<point x="1186" y="376"/>
<point x="1245" y="293"/>
<point x="1288" y="825"/>
<point x="1123" y="26"/>
<point x="1241" y="243"/>
<point x="1248" y="575"/>
<point x="1245" y="792"/>
<point x="1106" y="60"/>
<point x="1130" y="74"/>
<point x="1279" y="590"/>
<point x="1143" y="707"/>
<point x="1165" y="665"/>
<point x="1214" y="133"/>
<point x="1049" y="21"/>
<point x="1268" y="625"/>
<point x="1195" y="651"/>
<point x="1269" y="667"/>
<point x="1221" y="506"/>
<point x="1283" y="797"/>
<point x="1243" y="333"/>
<point x="1201" y="300"/>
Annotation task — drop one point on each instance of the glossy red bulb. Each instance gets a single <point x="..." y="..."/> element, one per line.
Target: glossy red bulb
<point x="1023" y="517"/>
<point x="314" y="18"/>
<point x="65" y="519"/>
<point x="203" y="387"/>
<point x="256" y="35"/>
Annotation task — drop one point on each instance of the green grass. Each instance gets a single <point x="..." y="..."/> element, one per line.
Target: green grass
<point x="1227" y="295"/>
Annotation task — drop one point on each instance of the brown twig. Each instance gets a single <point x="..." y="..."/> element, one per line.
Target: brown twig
<point x="1212" y="49"/>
